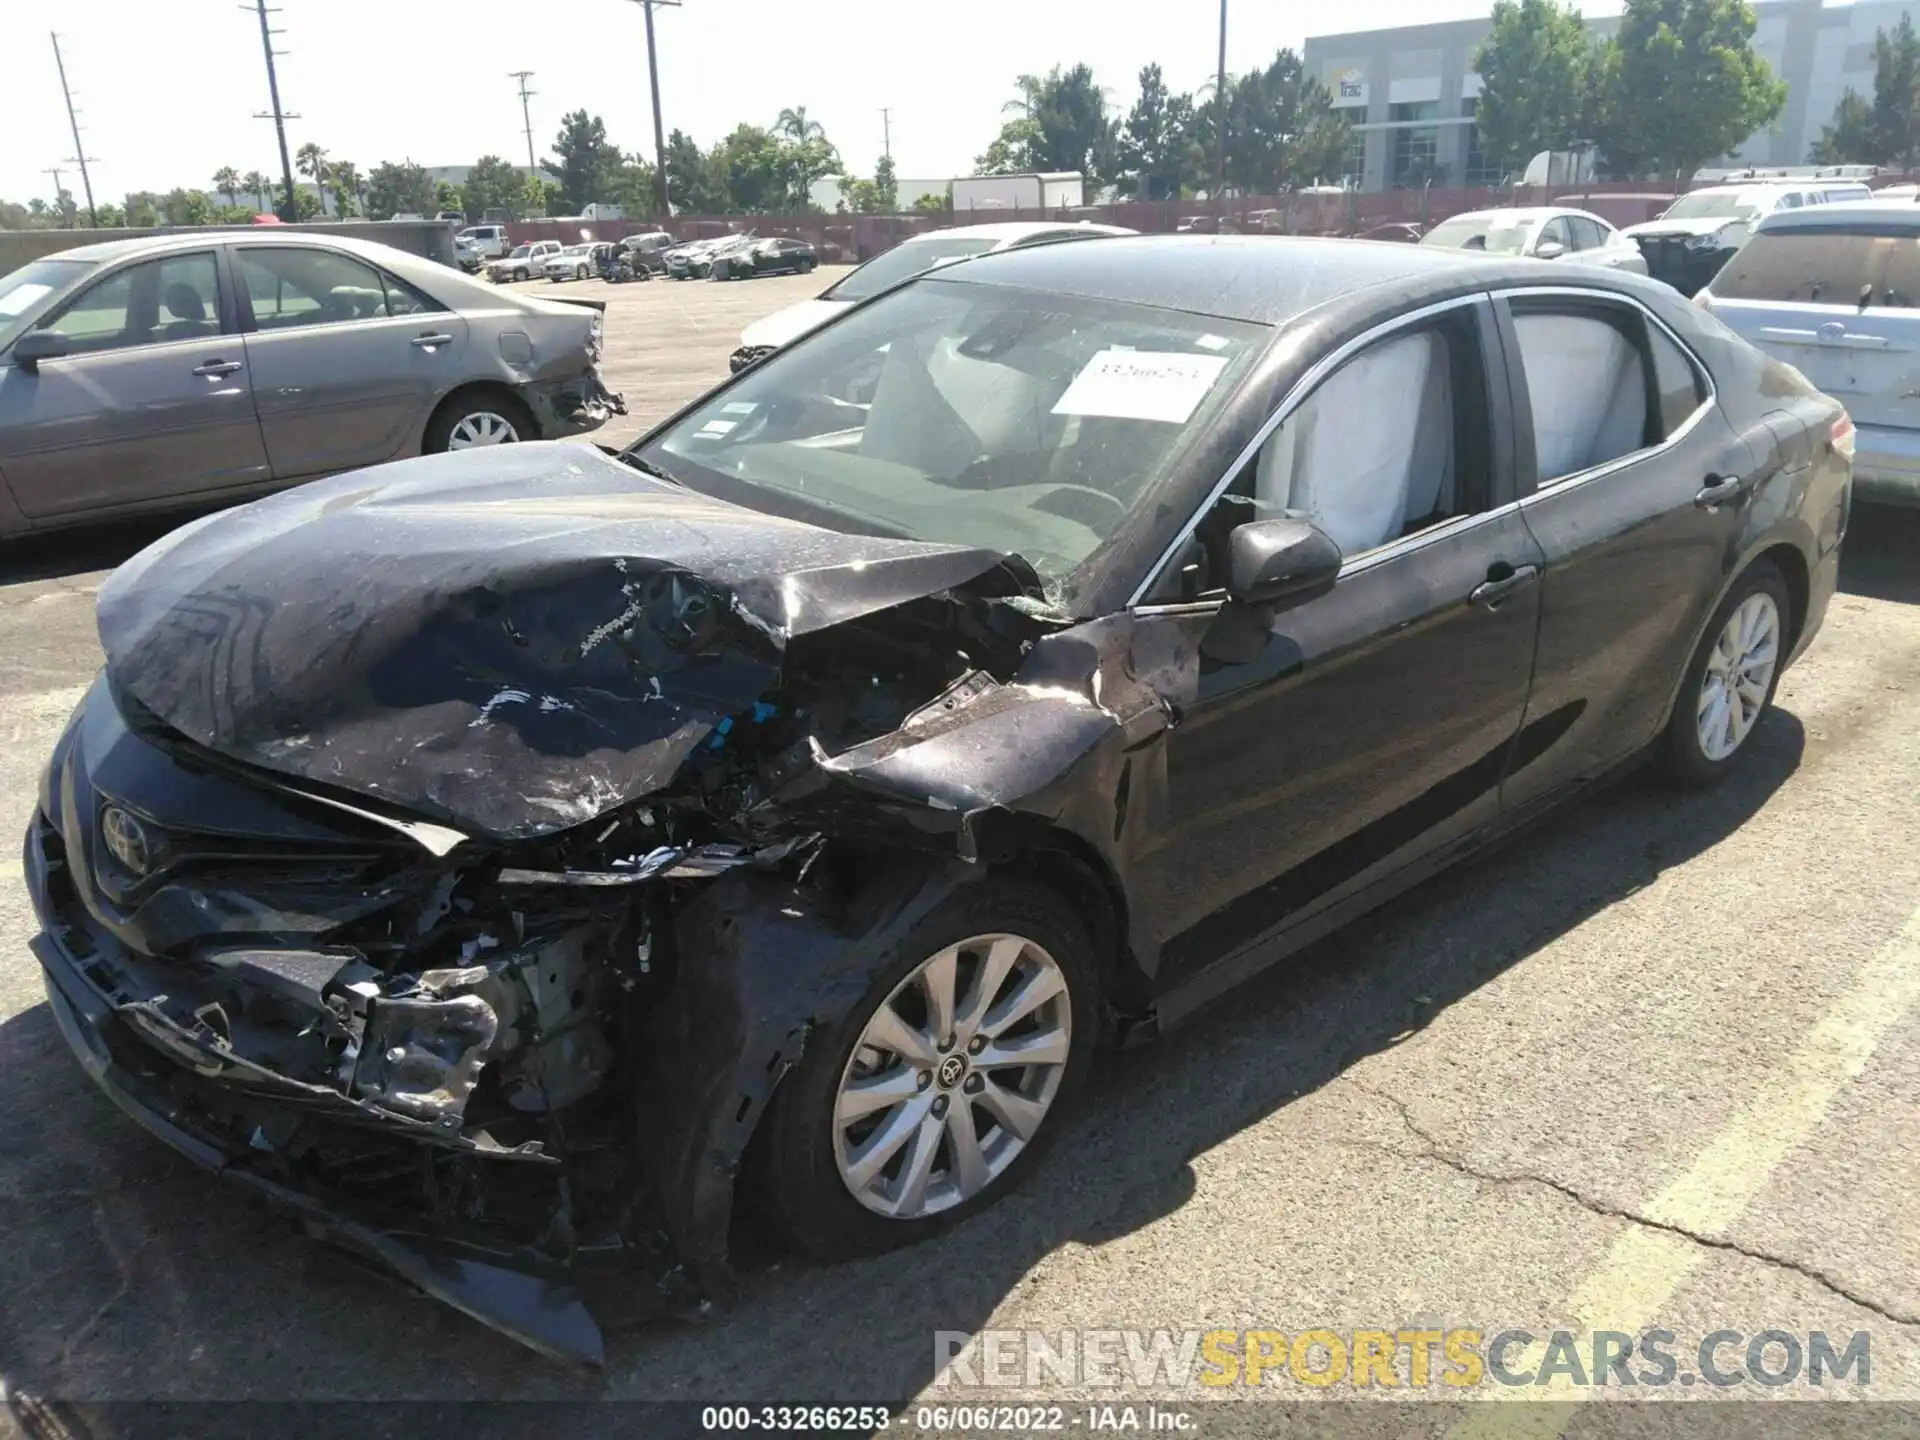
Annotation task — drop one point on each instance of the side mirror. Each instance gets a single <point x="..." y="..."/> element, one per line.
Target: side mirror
<point x="37" y="345"/>
<point x="1269" y="561"/>
<point x="1550" y="250"/>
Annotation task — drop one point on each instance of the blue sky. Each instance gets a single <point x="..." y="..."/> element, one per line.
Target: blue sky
<point x="169" y="87"/>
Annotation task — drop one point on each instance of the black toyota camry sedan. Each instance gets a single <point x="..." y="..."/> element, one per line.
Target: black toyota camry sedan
<point x="503" y="858"/>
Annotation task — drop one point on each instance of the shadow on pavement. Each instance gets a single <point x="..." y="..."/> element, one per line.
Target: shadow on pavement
<point x="78" y="552"/>
<point x="130" y="1274"/>
<point x="1881" y="559"/>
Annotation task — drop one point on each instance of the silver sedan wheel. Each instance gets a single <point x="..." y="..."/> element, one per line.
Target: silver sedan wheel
<point x="1739" y="673"/>
<point x="482" y="427"/>
<point x="953" y="1076"/>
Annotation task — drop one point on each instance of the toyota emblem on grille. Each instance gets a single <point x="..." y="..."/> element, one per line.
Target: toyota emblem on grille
<point x="126" y="839"/>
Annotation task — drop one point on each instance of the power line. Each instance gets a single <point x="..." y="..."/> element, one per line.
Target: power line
<point x="289" y="211"/>
<point x="73" y="121"/>
<point x="526" y="115"/>
<point x="659" y="134"/>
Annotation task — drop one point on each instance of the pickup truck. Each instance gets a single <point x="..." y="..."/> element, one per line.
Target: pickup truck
<point x="523" y="262"/>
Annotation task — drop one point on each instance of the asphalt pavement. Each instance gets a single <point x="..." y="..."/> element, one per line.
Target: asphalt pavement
<point x="1654" y="1064"/>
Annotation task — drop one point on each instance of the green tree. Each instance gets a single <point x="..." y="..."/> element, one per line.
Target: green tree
<point x="448" y="196"/>
<point x="753" y="167"/>
<point x="585" y="160"/>
<point x="403" y="189"/>
<point x="633" y="188"/>
<point x="256" y="184"/>
<point x="143" y="209"/>
<point x="935" y="203"/>
<point x="1159" y="153"/>
<point x="1282" y="129"/>
<point x="1539" y="67"/>
<point x="349" y="186"/>
<point x="1896" y="95"/>
<point x="311" y="161"/>
<point x="1849" y="138"/>
<point x="886" y="186"/>
<point x="534" y="198"/>
<point x="1062" y="125"/>
<point x="492" y="184"/>
<point x="686" y="175"/>
<point x="226" y="180"/>
<point x="809" y="154"/>
<point x="1681" y="85"/>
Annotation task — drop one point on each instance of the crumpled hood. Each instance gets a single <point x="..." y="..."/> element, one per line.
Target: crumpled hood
<point x="783" y="327"/>
<point x="511" y="641"/>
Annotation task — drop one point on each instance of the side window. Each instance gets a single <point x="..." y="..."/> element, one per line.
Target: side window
<point x="1677" y="381"/>
<point x="1791" y="200"/>
<point x="292" y="288"/>
<point x="403" y="299"/>
<point x="148" y="304"/>
<point x="1587" y="387"/>
<point x="1555" y="232"/>
<point x="1587" y="234"/>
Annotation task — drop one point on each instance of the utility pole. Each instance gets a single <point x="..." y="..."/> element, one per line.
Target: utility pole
<point x="659" y="134"/>
<point x="289" y="211"/>
<point x="886" y="130"/>
<point x="1220" y="139"/>
<point x="73" y="122"/>
<point x="526" y="115"/>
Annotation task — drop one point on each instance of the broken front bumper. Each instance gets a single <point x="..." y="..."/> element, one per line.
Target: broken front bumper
<point x="223" y="1122"/>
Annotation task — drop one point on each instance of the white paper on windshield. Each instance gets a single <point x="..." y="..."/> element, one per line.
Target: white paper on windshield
<point x="1141" y="385"/>
<point x="20" y="297"/>
<point x="717" y="427"/>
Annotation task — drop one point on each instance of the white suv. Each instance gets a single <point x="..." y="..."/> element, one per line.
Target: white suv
<point x="1694" y="236"/>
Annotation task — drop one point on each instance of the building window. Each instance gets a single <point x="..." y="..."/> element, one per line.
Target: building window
<point x="1416" y="145"/>
<point x="1354" y="166"/>
<point x="1481" y="174"/>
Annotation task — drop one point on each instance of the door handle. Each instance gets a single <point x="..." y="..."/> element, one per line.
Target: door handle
<point x="213" y="369"/>
<point x="1502" y="580"/>
<point x="1720" y="489"/>
<point x="427" y="342"/>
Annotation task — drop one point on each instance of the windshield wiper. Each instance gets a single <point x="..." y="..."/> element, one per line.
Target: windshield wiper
<point x="647" y="467"/>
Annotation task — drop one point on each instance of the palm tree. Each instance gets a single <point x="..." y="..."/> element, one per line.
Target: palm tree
<point x="227" y="181"/>
<point x="311" y="161"/>
<point x="795" y="125"/>
<point x="256" y="185"/>
<point x="348" y="184"/>
<point x="1031" y="88"/>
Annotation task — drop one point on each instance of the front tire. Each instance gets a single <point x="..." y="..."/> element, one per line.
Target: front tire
<point x="890" y="1131"/>
<point x="1730" y="681"/>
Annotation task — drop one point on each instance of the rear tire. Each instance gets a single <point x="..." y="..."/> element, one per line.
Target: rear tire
<point x="1729" y="682"/>
<point x="812" y="1159"/>
<point x="477" y="417"/>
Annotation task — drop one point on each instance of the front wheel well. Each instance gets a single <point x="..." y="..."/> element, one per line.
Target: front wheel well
<point x="1062" y="862"/>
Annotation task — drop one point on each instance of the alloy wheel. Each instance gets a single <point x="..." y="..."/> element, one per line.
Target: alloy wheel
<point x="1739" y="676"/>
<point x="482" y="427"/>
<point x="953" y="1076"/>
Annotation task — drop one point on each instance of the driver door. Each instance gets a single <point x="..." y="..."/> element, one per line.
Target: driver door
<point x="1369" y="728"/>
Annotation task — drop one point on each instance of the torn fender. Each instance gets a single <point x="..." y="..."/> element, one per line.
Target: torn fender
<point x="764" y="966"/>
<point x="511" y="641"/>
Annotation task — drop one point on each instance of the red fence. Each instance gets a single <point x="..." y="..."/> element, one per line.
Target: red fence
<point x="847" y="238"/>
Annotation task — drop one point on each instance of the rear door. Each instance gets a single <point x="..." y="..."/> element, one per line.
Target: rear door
<point x="347" y="361"/>
<point x="1635" y="487"/>
<point x="153" y="402"/>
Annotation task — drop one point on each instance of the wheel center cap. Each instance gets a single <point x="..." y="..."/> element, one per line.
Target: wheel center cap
<point x="952" y="1070"/>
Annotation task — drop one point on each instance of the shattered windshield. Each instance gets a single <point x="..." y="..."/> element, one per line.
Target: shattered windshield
<point x="1027" y="423"/>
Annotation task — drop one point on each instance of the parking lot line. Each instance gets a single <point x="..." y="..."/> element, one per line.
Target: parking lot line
<point x="1643" y="1269"/>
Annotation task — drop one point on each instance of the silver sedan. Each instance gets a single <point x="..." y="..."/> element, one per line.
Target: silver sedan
<point x="182" y="370"/>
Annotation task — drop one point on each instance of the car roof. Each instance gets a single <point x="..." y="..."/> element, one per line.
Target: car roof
<point x="1522" y="212"/>
<point x="1265" y="279"/>
<point x="1005" y="230"/>
<point x="110" y="250"/>
<point x="1842" y="215"/>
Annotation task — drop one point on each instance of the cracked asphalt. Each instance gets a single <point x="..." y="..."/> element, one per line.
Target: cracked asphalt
<point x="1654" y="1064"/>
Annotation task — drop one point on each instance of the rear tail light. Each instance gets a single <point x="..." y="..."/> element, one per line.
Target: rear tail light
<point x="1841" y="436"/>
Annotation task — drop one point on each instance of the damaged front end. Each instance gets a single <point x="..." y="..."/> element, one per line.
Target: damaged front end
<point x="472" y="908"/>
